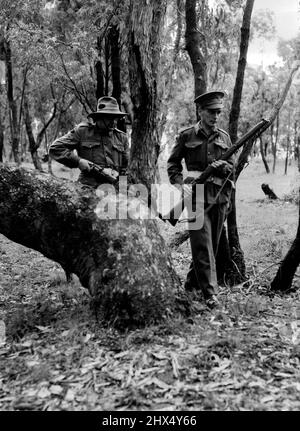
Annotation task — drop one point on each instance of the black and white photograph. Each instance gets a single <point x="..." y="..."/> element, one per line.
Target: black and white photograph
<point x="149" y="209"/>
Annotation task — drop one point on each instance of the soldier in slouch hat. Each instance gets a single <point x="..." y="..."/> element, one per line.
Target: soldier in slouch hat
<point x="96" y="143"/>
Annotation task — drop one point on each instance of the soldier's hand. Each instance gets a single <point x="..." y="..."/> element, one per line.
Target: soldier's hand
<point x="84" y="165"/>
<point x="110" y="172"/>
<point x="221" y="166"/>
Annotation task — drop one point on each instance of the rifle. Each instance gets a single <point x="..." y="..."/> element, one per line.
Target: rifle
<point x="252" y="134"/>
<point x="100" y="175"/>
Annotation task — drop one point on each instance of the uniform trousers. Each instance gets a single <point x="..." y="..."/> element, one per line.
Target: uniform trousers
<point x="204" y="242"/>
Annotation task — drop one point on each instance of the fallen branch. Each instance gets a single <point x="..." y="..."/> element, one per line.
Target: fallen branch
<point x="268" y="191"/>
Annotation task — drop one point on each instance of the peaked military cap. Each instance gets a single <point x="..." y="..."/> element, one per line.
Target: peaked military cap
<point x="211" y="100"/>
<point x="107" y="106"/>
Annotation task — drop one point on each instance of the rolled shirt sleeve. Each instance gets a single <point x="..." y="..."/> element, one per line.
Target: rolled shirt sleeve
<point x="62" y="149"/>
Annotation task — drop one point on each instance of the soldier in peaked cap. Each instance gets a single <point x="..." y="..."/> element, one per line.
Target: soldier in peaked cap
<point x="96" y="142"/>
<point x="199" y="146"/>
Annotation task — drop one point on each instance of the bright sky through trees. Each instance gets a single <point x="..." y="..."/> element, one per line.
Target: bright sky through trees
<point x="287" y="22"/>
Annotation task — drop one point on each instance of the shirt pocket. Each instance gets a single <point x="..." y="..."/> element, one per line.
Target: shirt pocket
<point x="221" y="144"/>
<point x="193" y="152"/>
<point x="220" y="147"/>
<point x="90" y="150"/>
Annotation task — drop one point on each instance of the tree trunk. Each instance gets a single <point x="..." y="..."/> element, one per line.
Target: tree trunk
<point x="170" y="78"/>
<point x="268" y="191"/>
<point x="196" y="48"/>
<point x="225" y="267"/>
<point x="124" y="263"/>
<point x="262" y="152"/>
<point x="274" y="142"/>
<point x="33" y="147"/>
<point x="298" y="147"/>
<point x="274" y="152"/>
<point x="106" y="61"/>
<point x="49" y="160"/>
<point x="145" y="29"/>
<point x="235" y="272"/>
<point x="114" y="39"/>
<point x="13" y="116"/>
<point x="288" y="143"/>
<point x="295" y="140"/>
<point x="34" y="144"/>
<point x="239" y="81"/>
<point x="99" y="79"/>
<point x="1" y="139"/>
<point x="287" y="155"/>
<point x="285" y="274"/>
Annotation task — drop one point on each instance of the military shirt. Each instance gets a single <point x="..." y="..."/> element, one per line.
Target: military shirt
<point x="108" y="149"/>
<point x="198" y="150"/>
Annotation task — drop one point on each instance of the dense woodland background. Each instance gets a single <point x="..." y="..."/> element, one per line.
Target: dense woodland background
<point x="56" y="59"/>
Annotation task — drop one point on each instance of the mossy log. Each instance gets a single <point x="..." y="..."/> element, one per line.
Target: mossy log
<point x="124" y="263"/>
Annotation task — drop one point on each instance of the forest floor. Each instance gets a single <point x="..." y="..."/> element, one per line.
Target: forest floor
<point x="244" y="356"/>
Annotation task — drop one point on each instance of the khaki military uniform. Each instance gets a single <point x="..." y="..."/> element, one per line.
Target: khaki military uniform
<point x="107" y="149"/>
<point x="199" y="150"/>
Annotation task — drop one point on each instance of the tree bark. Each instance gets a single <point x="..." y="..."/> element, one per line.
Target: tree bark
<point x="274" y="142"/>
<point x="224" y="263"/>
<point x="287" y="155"/>
<point x="106" y="62"/>
<point x="170" y="78"/>
<point x="285" y="274"/>
<point x="263" y="157"/>
<point x="49" y="160"/>
<point x="298" y="152"/>
<point x="99" y="71"/>
<point x="34" y="144"/>
<point x="237" y="273"/>
<point x="288" y="143"/>
<point x="145" y="24"/>
<point x="99" y="79"/>
<point x="114" y="38"/>
<point x="1" y="138"/>
<point x="13" y="116"/>
<point x="124" y="263"/>
<point x="239" y="81"/>
<point x="1" y="144"/>
<point x="196" y="48"/>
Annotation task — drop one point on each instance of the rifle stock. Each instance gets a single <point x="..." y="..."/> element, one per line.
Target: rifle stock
<point x="253" y="133"/>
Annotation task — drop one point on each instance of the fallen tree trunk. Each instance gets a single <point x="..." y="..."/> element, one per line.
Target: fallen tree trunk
<point x="124" y="263"/>
<point x="268" y="191"/>
<point x="285" y="274"/>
